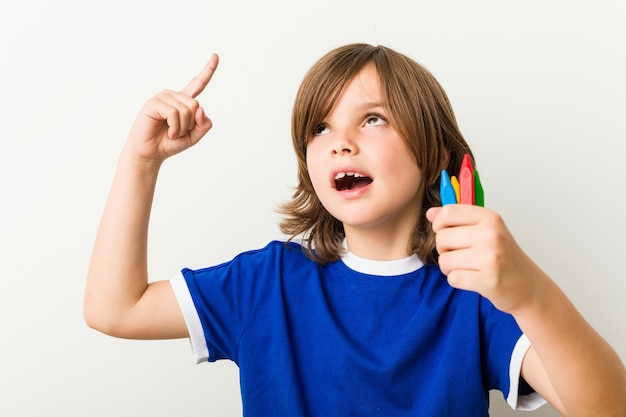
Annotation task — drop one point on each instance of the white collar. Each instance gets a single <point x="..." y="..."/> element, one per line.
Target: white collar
<point x="382" y="268"/>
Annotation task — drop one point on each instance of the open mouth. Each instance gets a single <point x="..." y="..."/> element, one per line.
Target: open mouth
<point x="350" y="181"/>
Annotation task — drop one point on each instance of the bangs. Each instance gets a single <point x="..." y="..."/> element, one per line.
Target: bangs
<point x="321" y="88"/>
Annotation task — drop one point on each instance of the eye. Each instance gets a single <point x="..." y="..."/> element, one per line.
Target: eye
<point x="375" y="120"/>
<point x="321" y="130"/>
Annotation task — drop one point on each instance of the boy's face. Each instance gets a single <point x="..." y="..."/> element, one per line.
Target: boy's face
<point x="361" y="169"/>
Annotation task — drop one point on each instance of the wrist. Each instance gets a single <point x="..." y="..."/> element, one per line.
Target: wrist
<point x="544" y="295"/>
<point x="138" y="162"/>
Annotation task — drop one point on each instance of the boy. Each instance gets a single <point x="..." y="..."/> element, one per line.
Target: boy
<point x="390" y="306"/>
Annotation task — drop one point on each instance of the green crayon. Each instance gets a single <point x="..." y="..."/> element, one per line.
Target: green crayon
<point x="479" y="194"/>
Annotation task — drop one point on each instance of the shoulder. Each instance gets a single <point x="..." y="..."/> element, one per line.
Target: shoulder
<point x="275" y="252"/>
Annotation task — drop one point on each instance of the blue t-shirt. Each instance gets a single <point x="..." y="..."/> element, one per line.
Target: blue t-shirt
<point x="350" y="338"/>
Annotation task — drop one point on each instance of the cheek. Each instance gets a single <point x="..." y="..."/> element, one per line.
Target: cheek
<point x="313" y="167"/>
<point x="398" y="160"/>
<point x="406" y="169"/>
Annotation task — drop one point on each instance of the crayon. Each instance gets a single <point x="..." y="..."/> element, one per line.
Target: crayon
<point x="479" y="194"/>
<point x="446" y="191"/>
<point x="466" y="181"/>
<point x="457" y="187"/>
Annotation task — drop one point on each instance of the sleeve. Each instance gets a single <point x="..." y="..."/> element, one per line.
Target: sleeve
<point x="192" y="319"/>
<point x="218" y="302"/>
<point x="504" y="348"/>
<point x="521" y="396"/>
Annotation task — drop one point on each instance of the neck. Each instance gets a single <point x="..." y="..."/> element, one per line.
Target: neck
<point x="376" y="245"/>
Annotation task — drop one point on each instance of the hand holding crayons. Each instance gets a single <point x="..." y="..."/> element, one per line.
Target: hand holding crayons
<point x="467" y="189"/>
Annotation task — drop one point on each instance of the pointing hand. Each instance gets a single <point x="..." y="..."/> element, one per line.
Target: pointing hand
<point x="172" y="121"/>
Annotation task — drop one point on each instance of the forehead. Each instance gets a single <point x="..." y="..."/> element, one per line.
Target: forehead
<point x="365" y="80"/>
<point x="363" y="87"/>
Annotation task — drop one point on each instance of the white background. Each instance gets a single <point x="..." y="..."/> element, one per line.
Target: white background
<point x="538" y="88"/>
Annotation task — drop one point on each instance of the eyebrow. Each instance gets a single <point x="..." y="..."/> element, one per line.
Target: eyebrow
<point x="373" y="104"/>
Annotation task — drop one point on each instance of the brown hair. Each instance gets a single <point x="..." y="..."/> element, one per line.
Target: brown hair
<point x="421" y="114"/>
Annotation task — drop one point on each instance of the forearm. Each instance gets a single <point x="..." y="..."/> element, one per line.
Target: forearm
<point x="587" y="375"/>
<point x="118" y="270"/>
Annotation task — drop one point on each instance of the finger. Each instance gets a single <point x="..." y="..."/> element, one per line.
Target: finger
<point x="200" y="81"/>
<point x="178" y="118"/>
<point x="455" y="238"/>
<point x="468" y="280"/>
<point x="162" y="112"/>
<point x="431" y="213"/>
<point x="454" y="215"/>
<point x="462" y="259"/>
<point x="202" y="126"/>
<point x="186" y="108"/>
<point x="459" y="273"/>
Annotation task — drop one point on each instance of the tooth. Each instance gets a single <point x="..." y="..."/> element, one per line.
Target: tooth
<point x="351" y="174"/>
<point x="356" y="174"/>
<point x="340" y="175"/>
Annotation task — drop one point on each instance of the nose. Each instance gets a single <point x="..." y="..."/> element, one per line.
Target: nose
<point x="344" y="143"/>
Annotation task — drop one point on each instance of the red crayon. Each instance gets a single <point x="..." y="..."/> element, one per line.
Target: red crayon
<point x="466" y="181"/>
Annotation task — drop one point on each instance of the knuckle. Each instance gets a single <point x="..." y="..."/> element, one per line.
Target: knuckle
<point x="164" y="93"/>
<point x="453" y="279"/>
<point x="194" y="106"/>
<point x="185" y="113"/>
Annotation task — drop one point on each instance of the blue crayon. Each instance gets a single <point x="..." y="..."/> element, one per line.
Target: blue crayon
<point x="446" y="190"/>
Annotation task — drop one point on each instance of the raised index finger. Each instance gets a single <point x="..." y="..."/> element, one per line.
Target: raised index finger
<point x="200" y="81"/>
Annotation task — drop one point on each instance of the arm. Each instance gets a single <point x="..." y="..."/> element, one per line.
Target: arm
<point x="118" y="298"/>
<point x="569" y="364"/>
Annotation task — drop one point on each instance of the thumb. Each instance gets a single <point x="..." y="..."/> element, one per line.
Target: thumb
<point x="203" y="125"/>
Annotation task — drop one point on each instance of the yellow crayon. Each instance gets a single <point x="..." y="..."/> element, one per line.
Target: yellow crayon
<point x="457" y="188"/>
